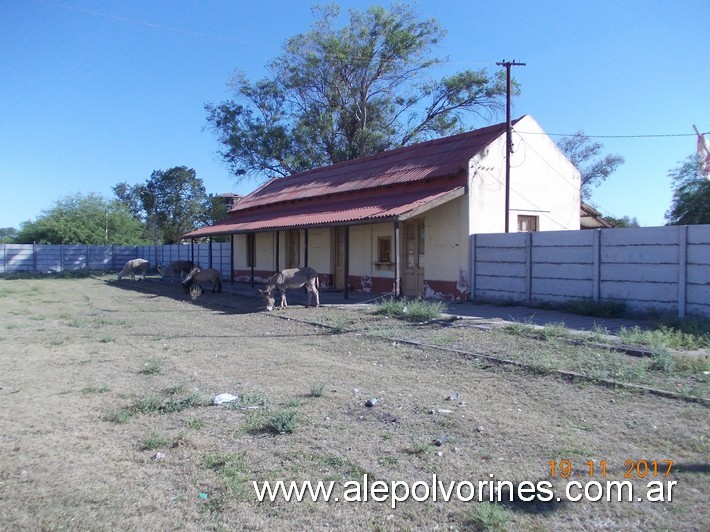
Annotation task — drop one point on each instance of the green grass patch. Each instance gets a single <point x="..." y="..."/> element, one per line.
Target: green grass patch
<point x="420" y="447"/>
<point x="152" y="367"/>
<point x="153" y="404"/>
<point x="196" y="423"/>
<point x="607" y="308"/>
<point x="678" y="337"/>
<point x="317" y="389"/>
<point x="231" y="469"/>
<point x="282" y="421"/>
<point x="336" y="323"/>
<point x="417" y="310"/>
<point x="488" y="516"/>
<point x="155" y="440"/>
<point x="95" y="389"/>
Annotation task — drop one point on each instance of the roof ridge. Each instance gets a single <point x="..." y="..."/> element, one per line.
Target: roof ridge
<point x="422" y="161"/>
<point x="409" y="147"/>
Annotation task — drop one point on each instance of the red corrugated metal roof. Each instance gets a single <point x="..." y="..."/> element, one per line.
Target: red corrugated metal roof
<point x="384" y="186"/>
<point x="388" y="204"/>
<point x="419" y="162"/>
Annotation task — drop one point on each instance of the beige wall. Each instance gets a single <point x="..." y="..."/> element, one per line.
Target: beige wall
<point x="239" y="251"/>
<point x="446" y="241"/>
<point x="319" y="246"/>
<point x="264" y="251"/>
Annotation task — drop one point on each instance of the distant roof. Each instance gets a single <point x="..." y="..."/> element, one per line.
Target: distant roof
<point x="590" y="218"/>
<point x="375" y="187"/>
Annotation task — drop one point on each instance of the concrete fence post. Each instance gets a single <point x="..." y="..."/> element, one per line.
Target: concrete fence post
<point x="682" y="270"/>
<point x="596" y="260"/>
<point x="472" y="268"/>
<point x="528" y="266"/>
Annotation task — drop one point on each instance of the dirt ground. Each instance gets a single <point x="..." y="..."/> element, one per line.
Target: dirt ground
<point x="107" y="421"/>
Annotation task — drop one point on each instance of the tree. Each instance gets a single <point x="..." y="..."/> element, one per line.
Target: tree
<point x="130" y="196"/>
<point x="624" y="221"/>
<point x="586" y="156"/>
<point x="82" y="219"/>
<point x="691" y="194"/>
<point x="339" y="94"/>
<point x="171" y="203"/>
<point x="7" y="235"/>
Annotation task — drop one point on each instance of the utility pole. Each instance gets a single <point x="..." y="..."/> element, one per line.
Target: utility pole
<point x="508" y="139"/>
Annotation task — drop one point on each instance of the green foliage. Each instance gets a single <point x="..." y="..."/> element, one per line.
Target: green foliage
<point x="691" y="194"/>
<point x="586" y="156"/>
<point x="339" y="93"/>
<point x="7" y="235"/>
<point x="83" y="219"/>
<point x="171" y="203"/>
<point x="622" y="222"/>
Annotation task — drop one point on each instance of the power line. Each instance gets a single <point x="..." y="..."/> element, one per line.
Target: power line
<point x="614" y="136"/>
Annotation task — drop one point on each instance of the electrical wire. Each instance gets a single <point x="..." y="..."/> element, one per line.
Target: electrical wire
<point x="648" y="136"/>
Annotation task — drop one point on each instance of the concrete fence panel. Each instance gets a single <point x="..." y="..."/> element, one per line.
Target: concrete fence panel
<point x="661" y="268"/>
<point x="58" y="258"/>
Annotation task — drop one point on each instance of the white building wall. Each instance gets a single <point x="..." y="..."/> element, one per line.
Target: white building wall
<point x="543" y="183"/>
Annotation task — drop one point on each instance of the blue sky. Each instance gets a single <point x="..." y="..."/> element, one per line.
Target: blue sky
<point x="95" y="92"/>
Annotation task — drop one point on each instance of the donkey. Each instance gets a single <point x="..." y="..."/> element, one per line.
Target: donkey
<point x="293" y="278"/>
<point x="133" y="267"/>
<point x="178" y="267"/>
<point x="197" y="277"/>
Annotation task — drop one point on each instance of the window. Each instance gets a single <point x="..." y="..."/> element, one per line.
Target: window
<point x="251" y="250"/>
<point x="384" y="249"/>
<point x="527" y="224"/>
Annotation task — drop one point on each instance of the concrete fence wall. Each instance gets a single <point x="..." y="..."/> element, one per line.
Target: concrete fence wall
<point x="59" y="258"/>
<point x="662" y="268"/>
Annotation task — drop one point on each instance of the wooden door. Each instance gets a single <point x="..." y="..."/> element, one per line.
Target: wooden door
<point x="413" y="260"/>
<point x="293" y="249"/>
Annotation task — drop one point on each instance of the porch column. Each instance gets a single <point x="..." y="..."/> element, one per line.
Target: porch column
<point x="209" y="247"/>
<point x="192" y="250"/>
<point x="305" y="243"/>
<point x="346" y="263"/>
<point x="278" y="248"/>
<point x="251" y="237"/>
<point x="397" y="254"/>
<point x="231" y="258"/>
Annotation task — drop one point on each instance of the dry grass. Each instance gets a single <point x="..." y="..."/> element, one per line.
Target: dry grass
<point x="68" y="461"/>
